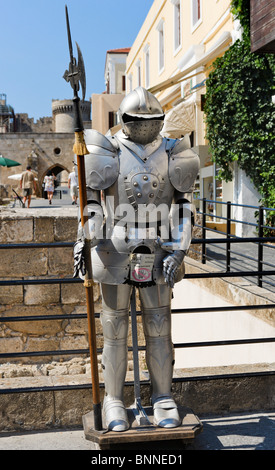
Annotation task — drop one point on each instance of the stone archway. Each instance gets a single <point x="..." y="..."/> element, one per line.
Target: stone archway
<point x="61" y="172"/>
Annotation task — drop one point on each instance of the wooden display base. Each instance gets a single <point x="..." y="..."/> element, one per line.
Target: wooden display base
<point x="190" y="427"/>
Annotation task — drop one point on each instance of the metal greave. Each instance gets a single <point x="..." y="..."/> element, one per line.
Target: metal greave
<point x="159" y="349"/>
<point x="114" y="321"/>
<point x="156" y="317"/>
<point x="114" y="357"/>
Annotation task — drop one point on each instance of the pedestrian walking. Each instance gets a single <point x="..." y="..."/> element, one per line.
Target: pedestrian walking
<point x="28" y="184"/>
<point x="72" y="184"/>
<point x="49" y="185"/>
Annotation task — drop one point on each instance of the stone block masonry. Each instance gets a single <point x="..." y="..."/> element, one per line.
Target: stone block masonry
<point x="54" y="408"/>
<point x="29" y="411"/>
<point x="40" y="299"/>
<point x="43" y="299"/>
<point x="44" y="150"/>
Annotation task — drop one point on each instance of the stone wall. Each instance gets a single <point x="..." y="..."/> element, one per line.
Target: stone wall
<point x="23" y="410"/>
<point x="48" y="299"/>
<point x="50" y="150"/>
<point x="42" y="299"/>
<point x="26" y="124"/>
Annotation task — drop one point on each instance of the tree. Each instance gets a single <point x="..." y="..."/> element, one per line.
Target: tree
<point x="239" y="111"/>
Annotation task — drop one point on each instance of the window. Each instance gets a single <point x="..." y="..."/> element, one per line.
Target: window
<point x="177" y="25"/>
<point x="130" y="81"/>
<point x="147" y="66"/>
<point x="138" y="73"/>
<point x="160" y="29"/>
<point x="113" y="121"/>
<point x="196" y="12"/>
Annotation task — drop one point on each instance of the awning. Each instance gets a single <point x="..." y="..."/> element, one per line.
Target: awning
<point x="220" y="46"/>
<point x="180" y="120"/>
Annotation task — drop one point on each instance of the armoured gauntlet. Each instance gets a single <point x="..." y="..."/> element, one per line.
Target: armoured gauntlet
<point x="171" y="265"/>
<point x="91" y="232"/>
<point x="181" y="217"/>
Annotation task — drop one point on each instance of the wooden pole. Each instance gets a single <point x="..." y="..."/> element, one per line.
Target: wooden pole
<point x="88" y="284"/>
<point x="74" y="75"/>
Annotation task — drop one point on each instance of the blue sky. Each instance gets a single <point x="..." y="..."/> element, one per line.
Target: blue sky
<point x="34" y="48"/>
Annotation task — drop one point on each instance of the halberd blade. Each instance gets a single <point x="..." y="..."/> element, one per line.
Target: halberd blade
<point x="81" y="71"/>
<point x="69" y="34"/>
<point x="72" y="76"/>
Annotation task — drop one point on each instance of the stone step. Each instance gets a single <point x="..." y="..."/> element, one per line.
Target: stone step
<point x="42" y="402"/>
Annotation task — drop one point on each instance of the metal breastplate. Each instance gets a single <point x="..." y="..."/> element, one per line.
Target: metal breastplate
<point x="143" y="182"/>
<point x="130" y="252"/>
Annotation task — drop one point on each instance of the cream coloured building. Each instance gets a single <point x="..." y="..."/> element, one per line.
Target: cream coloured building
<point x="172" y="56"/>
<point x="105" y="105"/>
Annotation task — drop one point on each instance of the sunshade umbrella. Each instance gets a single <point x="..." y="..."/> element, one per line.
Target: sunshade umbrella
<point x="8" y="162"/>
<point x="17" y="177"/>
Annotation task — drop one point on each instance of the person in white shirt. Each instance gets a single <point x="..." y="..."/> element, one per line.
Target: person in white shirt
<point x="49" y="185"/>
<point x="72" y="184"/>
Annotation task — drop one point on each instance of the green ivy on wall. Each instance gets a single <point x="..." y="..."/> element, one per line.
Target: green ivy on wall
<point x="240" y="114"/>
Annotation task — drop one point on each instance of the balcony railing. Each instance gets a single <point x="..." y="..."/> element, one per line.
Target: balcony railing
<point x="259" y="247"/>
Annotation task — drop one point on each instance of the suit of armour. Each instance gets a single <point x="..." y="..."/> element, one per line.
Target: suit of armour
<point x="140" y="218"/>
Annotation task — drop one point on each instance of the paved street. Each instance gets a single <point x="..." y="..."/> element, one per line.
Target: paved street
<point x="57" y="202"/>
<point x="245" y="431"/>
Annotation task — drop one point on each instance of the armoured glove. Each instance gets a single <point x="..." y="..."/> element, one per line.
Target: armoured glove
<point x="79" y="261"/>
<point x="90" y="232"/>
<point x="171" y="265"/>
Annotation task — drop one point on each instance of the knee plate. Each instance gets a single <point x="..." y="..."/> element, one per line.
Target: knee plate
<point x="115" y="324"/>
<point x="157" y="322"/>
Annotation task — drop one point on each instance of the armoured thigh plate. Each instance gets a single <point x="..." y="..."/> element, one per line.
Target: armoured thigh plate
<point x="114" y="319"/>
<point x="136" y="204"/>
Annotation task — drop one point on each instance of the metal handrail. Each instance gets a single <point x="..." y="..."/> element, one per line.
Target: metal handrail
<point x="261" y="240"/>
<point x="228" y="240"/>
<point x="141" y="348"/>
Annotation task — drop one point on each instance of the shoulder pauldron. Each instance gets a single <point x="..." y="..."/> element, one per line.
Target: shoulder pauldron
<point x="184" y="165"/>
<point x="102" y="163"/>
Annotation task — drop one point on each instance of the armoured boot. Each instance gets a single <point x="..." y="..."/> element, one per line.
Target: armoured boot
<point x="159" y="357"/>
<point x="114" y="364"/>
